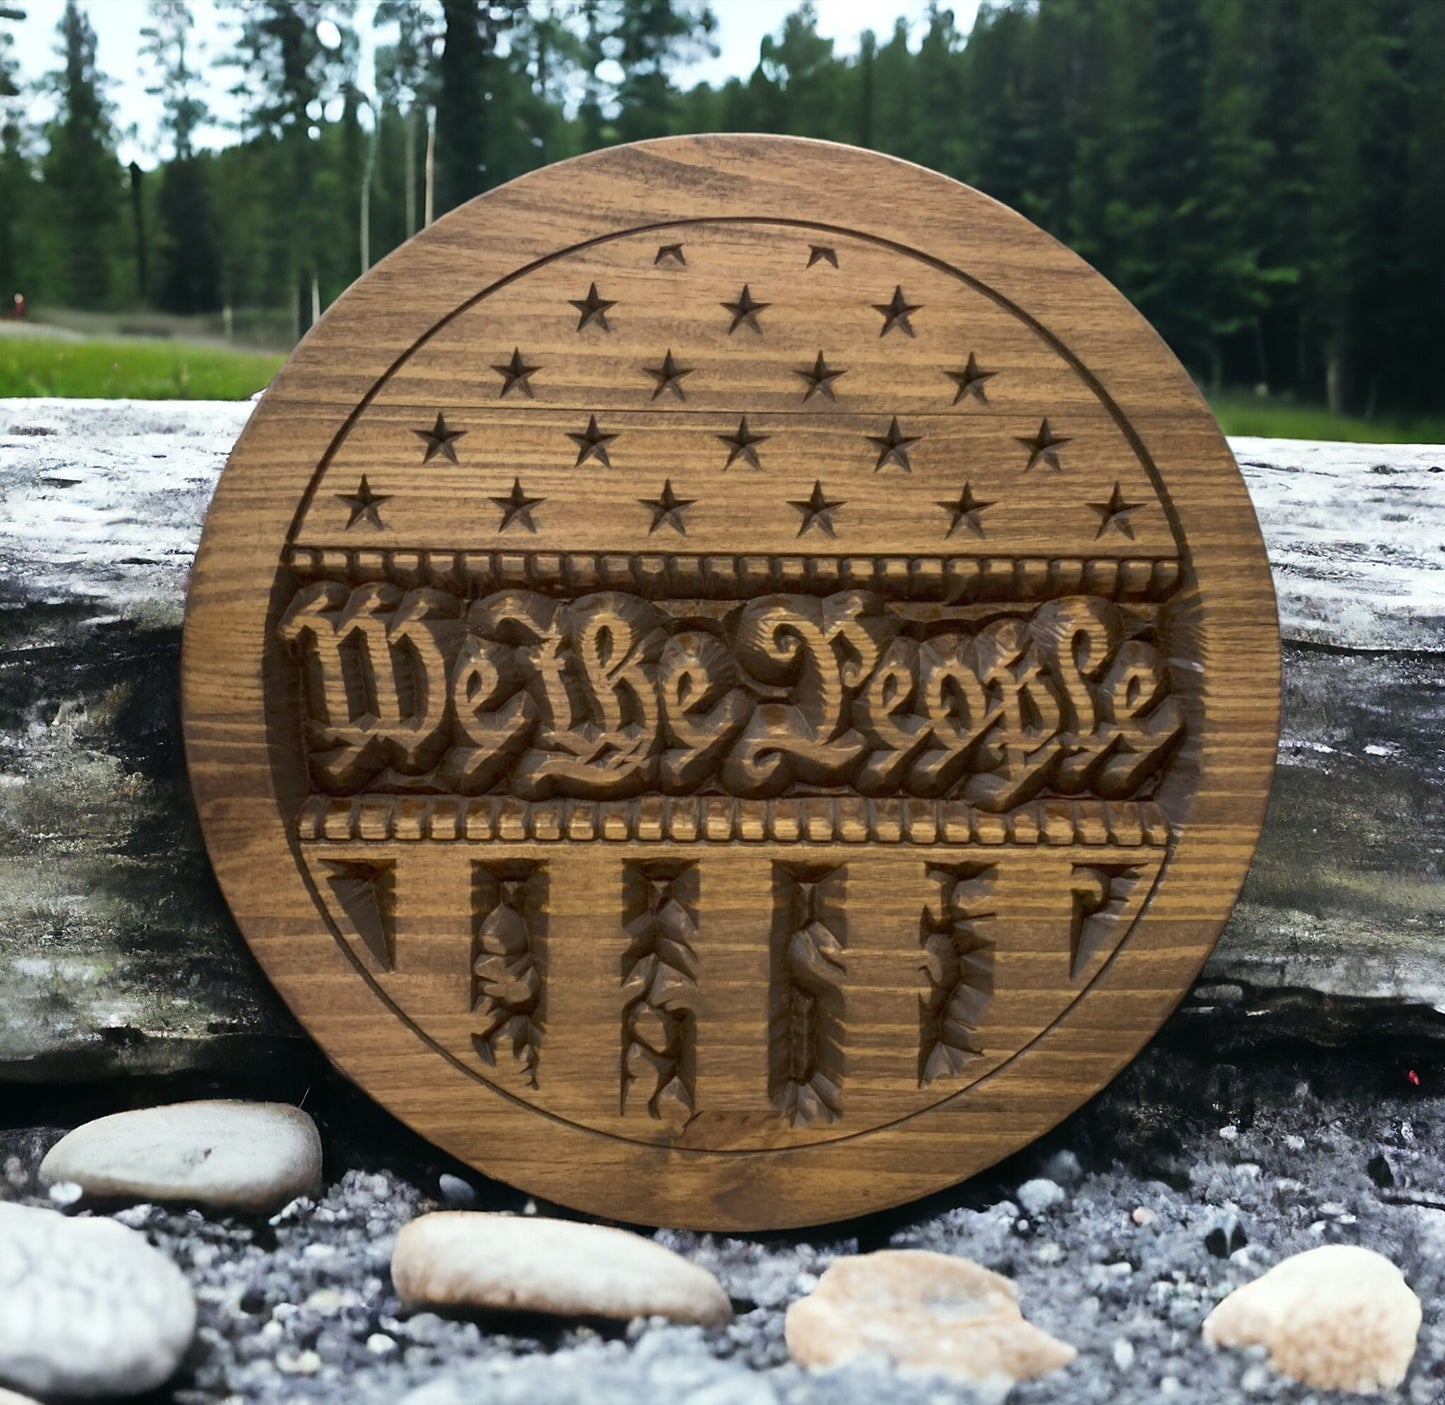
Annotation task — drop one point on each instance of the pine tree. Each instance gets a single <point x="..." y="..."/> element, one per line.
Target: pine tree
<point x="81" y="170"/>
<point x="17" y="184"/>
<point x="190" y="278"/>
<point x="289" y="77"/>
<point x="470" y="96"/>
<point x="405" y="82"/>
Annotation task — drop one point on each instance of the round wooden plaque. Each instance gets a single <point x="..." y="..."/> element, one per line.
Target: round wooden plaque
<point x="731" y="682"/>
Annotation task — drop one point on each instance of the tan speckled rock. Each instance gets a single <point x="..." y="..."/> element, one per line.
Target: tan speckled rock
<point x="924" y="1312"/>
<point x="230" y="1154"/>
<point x="460" y="1258"/>
<point x="1337" y="1318"/>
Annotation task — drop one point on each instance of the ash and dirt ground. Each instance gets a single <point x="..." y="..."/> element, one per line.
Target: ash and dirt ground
<point x="1243" y="1156"/>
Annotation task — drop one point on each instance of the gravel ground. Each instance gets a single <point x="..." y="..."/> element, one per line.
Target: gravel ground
<point x="1237" y="1164"/>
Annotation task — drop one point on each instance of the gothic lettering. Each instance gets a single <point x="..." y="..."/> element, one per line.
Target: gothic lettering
<point x="610" y="696"/>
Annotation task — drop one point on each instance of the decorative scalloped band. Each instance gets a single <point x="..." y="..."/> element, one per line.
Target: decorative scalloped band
<point x="950" y="579"/>
<point x="818" y="819"/>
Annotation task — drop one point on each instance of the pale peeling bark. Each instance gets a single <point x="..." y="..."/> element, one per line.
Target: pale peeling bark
<point x="116" y="951"/>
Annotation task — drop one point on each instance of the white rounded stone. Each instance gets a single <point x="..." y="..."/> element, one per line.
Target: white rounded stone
<point x="461" y="1258"/>
<point x="8" y="1397"/>
<point x="924" y="1312"/>
<point x="87" y="1307"/>
<point x="1039" y="1195"/>
<point x="229" y="1154"/>
<point x="1336" y="1318"/>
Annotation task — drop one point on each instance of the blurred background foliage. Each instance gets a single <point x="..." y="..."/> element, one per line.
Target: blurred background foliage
<point x="1265" y="179"/>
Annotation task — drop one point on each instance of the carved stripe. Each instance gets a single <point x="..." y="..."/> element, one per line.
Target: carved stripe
<point x="807" y="1003"/>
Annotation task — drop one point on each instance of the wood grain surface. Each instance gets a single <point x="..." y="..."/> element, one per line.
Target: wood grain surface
<point x="731" y="682"/>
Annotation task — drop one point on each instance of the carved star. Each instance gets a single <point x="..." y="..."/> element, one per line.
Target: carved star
<point x="821" y="253"/>
<point x="668" y="375"/>
<point x="896" y="312"/>
<point x="817" y="510"/>
<point x="820" y="379"/>
<point x="745" y="311"/>
<point x="592" y="444"/>
<point x="965" y="512"/>
<point x="440" y="440"/>
<point x="515" y="373"/>
<point x="971" y="380"/>
<point x="364" y="503"/>
<point x="1043" y="448"/>
<point x="593" y="308"/>
<point x="670" y="253"/>
<point x="517" y="507"/>
<point x="893" y="447"/>
<point x="667" y="509"/>
<point x="1115" y="513"/>
<point x="743" y="445"/>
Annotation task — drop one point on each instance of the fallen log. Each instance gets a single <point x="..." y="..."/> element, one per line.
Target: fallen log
<point x="117" y="952"/>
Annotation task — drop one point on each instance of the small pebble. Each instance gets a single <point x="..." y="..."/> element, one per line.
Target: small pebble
<point x="1038" y="1195"/>
<point x="1142" y="1216"/>
<point x="298" y="1363"/>
<point x="1255" y="1380"/>
<point x="1337" y="1318"/>
<point x="1123" y="1353"/>
<point x="229" y="1154"/>
<point x="922" y="1311"/>
<point x="1063" y="1167"/>
<point x="459" y="1258"/>
<point x="65" y="1194"/>
<point x="8" y="1397"/>
<point x="100" y="1312"/>
<point x="379" y="1344"/>
<point x="456" y="1192"/>
<point x="742" y="1390"/>
<point x="325" y="1300"/>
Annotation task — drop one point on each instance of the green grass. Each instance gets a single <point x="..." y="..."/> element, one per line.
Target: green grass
<point x="140" y="369"/>
<point x="1275" y="419"/>
<point x="131" y="369"/>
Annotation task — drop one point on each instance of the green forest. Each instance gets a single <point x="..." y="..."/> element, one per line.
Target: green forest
<point x="1265" y="179"/>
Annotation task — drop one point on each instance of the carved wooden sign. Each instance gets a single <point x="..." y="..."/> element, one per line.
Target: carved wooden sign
<point x="731" y="682"/>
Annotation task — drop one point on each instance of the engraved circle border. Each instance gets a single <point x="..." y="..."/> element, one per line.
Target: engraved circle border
<point x="1055" y="343"/>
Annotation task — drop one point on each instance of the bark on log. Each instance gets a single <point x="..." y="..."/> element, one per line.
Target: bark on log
<point x="117" y="953"/>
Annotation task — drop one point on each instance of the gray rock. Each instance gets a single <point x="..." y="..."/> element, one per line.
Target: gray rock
<point x="87" y="1307"/>
<point x="459" y="1259"/>
<point x="456" y="1192"/>
<point x="1038" y="1195"/>
<point x="234" y="1155"/>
